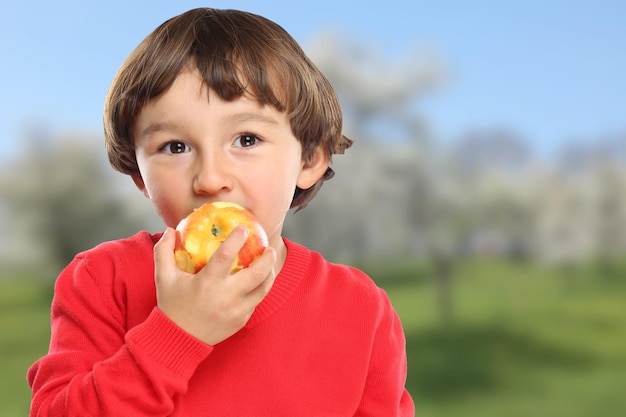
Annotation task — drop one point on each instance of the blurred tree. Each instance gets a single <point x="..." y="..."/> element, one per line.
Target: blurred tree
<point x="562" y="227"/>
<point x="498" y="149"/>
<point x="609" y="181"/>
<point x="583" y="211"/>
<point x="437" y="206"/>
<point x="370" y="83"/>
<point x="473" y="204"/>
<point x="65" y="199"/>
<point x="365" y="211"/>
<point x="398" y="199"/>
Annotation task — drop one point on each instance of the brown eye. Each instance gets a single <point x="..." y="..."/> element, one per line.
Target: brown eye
<point x="246" y="140"/>
<point x="175" y="147"/>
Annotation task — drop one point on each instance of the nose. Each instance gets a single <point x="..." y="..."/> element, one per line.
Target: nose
<point x="213" y="175"/>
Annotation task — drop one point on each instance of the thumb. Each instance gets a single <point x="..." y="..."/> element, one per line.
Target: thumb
<point x="164" y="262"/>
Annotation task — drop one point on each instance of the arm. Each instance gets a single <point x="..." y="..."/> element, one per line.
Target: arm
<point x="385" y="393"/>
<point x="95" y="367"/>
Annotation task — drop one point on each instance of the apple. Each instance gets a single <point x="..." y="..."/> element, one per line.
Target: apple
<point x="201" y="233"/>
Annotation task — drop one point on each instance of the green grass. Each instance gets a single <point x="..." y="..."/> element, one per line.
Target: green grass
<point x="522" y="340"/>
<point x="25" y="330"/>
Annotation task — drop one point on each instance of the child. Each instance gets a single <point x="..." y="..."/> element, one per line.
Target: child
<point x="220" y="105"/>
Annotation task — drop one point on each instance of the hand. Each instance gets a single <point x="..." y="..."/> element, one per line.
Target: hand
<point x="212" y="305"/>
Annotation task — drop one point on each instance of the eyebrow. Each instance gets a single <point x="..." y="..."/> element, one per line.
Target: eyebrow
<point x="251" y="117"/>
<point x="242" y="117"/>
<point x="159" y="127"/>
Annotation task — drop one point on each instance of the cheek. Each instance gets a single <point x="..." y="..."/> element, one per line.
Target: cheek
<point x="272" y="193"/>
<point x="167" y="198"/>
<point x="277" y="184"/>
<point x="164" y="208"/>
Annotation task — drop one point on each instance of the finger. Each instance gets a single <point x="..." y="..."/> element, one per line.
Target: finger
<point x="164" y="263"/>
<point x="260" y="274"/>
<point x="222" y="260"/>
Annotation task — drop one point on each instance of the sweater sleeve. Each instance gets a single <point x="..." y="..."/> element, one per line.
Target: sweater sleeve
<point x="385" y="393"/>
<point x="96" y="366"/>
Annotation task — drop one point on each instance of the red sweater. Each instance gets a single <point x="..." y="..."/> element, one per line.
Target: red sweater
<point x="324" y="342"/>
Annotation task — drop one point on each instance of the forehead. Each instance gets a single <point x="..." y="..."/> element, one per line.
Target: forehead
<point x="265" y="86"/>
<point x="189" y="100"/>
<point x="270" y="83"/>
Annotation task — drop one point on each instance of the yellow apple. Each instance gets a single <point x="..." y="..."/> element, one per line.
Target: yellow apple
<point x="201" y="233"/>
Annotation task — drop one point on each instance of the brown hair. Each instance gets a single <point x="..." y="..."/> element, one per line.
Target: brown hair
<point x="236" y="53"/>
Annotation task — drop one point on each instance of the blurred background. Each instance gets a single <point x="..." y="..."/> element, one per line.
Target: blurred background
<point x="485" y="191"/>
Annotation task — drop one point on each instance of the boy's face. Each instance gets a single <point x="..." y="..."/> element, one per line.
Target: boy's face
<point x="191" y="150"/>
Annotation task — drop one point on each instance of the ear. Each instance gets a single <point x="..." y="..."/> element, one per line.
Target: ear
<point x="140" y="184"/>
<point x="313" y="169"/>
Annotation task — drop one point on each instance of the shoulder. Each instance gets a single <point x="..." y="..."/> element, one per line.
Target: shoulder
<point x="136" y="248"/>
<point x="141" y="241"/>
<point x="340" y="273"/>
<point x="346" y="283"/>
<point x="111" y="262"/>
<point x="348" y="302"/>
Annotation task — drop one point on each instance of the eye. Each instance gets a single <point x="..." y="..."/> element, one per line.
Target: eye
<point x="246" y="140"/>
<point x="175" y="147"/>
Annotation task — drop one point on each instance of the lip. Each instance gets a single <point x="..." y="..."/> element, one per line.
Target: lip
<point x="213" y="201"/>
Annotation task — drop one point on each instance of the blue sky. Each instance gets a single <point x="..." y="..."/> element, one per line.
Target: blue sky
<point x="550" y="70"/>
